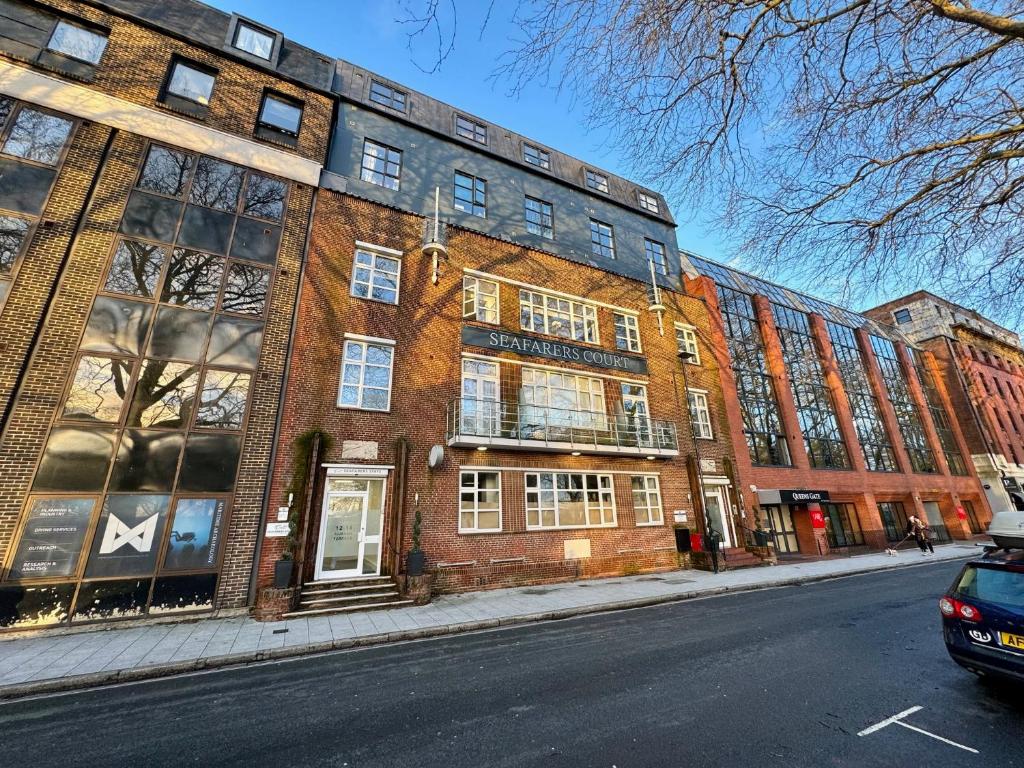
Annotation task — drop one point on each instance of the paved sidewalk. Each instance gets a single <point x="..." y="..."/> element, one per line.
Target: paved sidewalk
<point x="53" y="661"/>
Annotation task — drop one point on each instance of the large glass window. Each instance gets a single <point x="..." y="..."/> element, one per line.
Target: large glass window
<point x="627" y="332"/>
<point x="191" y="82"/>
<point x="99" y="389"/>
<point x="37" y="136"/>
<point x="569" y="500"/>
<point x="470" y="194"/>
<point x="216" y="184"/>
<point x="943" y="426"/>
<point x="814" y="406"/>
<point x="77" y="42"/>
<point x="908" y="417"/>
<point x="762" y="424"/>
<point x="842" y="528"/>
<point x="646" y="500"/>
<point x="539" y="218"/>
<point x="366" y="376"/>
<point x="557" y="316"/>
<point x="166" y="171"/>
<point x="602" y="239"/>
<point x="480" y="299"/>
<point x="479" y="502"/>
<point x="875" y="443"/>
<point x="13" y="235"/>
<point x="381" y="165"/>
<point x="375" y="276"/>
<point x="894" y="519"/>
<point x="553" y="401"/>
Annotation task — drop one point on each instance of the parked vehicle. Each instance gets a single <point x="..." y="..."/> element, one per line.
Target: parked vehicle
<point x="1007" y="529"/>
<point x="983" y="615"/>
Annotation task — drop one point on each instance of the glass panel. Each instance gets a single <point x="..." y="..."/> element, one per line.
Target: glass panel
<point x="264" y="198"/>
<point x="98" y="390"/>
<point x="216" y="184"/>
<point x="146" y="461"/>
<point x="128" y="537"/>
<point x="342" y="523"/>
<point x="151" y="217"/>
<point x="77" y="42"/>
<point x="51" y="539"/>
<point x="255" y="241"/>
<point x="116" y="326"/>
<point x="253" y="41"/>
<point x="375" y="507"/>
<point x="235" y="343"/>
<point x="166" y="171"/>
<point x="210" y="464"/>
<point x="111" y="600"/>
<point x="6" y="105"/>
<point x="183" y="593"/>
<point x="205" y="229"/>
<point x="12" y="235"/>
<point x="191" y="83"/>
<point x="75" y="460"/>
<point x="23" y="607"/>
<point x="38" y="136"/>
<point x="165" y="395"/>
<point x="180" y="334"/>
<point x="246" y="290"/>
<point x="135" y="269"/>
<point x="196" y="535"/>
<point x="281" y="114"/>
<point x="223" y="399"/>
<point x="371" y="556"/>
<point x="193" y="279"/>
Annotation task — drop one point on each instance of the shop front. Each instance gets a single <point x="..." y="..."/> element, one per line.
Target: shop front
<point x="803" y="522"/>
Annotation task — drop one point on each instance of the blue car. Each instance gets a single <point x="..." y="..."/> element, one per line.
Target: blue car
<point x="983" y="615"/>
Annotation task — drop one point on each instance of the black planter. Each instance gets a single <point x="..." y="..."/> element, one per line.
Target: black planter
<point x="283" y="573"/>
<point x="415" y="562"/>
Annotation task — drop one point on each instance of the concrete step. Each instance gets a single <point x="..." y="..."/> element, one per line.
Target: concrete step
<point x="354" y="590"/>
<point x="367" y="581"/>
<point x="313" y="600"/>
<point x="350" y="609"/>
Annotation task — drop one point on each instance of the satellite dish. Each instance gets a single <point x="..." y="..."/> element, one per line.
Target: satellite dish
<point x="436" y="456"/>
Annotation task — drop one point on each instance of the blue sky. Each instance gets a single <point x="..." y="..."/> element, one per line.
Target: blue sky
<point x="368" y="34"/>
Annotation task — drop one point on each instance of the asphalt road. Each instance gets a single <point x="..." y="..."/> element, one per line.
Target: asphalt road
<point x="785" y="677"/>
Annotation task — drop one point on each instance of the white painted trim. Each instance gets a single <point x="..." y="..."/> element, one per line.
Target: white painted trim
<point x="551" y="291"/>
<point x="371" y="339"/>
<point x="574" y="371"/>
<point x="587" y="471"/>
<point x="476" y="503"/>
<point x="89" y="104"/>
<point x="340" y="467"/>
<point x="685" y="326"/>
<point x="380" y="248"/>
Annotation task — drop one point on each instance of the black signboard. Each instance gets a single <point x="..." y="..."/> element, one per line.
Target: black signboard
<point x="52" y="539"/>
<point x="195" y="537"/>
<point x="802" y="497"/>
<point x="128" y="537"/>
<point x="1011" y="484"/>
<point x="552" y="350"/>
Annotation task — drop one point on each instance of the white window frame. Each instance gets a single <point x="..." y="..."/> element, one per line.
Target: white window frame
<point x="689" y="333"/>
<point x="576" y="310"/>
<point x="375" y="252"/>
<point x="630" y="332"/>
<point x="546" y="381"/>
<point x="600" y="506"/>
<point x="476" y="500"/>
<point x="652" y="501"/>
<point x="365" y="342"/>
<point x="470" y="301"/>
<point x="700" y="413"/>
<point x="599" y="244"/>
<point x="648" y="202"/>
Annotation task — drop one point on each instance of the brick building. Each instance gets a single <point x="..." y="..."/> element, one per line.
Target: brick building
<point x="503" y="377"/>
<point x="158" y="165"/>
<point x="842" y="428"/>
<point x="981" y="365"/>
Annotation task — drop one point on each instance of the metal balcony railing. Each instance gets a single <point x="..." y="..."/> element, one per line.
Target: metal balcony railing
<point x="476" y="422"/>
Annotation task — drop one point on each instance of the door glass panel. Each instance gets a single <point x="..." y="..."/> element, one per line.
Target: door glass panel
<point x="342" y="523"/>
<point x="375" y="507"/>
<point x="716" y="515"/>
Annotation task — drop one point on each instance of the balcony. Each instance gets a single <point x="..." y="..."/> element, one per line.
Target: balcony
<point x="472" y="423"/>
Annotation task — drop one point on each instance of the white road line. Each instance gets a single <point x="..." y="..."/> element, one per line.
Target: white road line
<point x="890" y="721"/>
<point x="926" y="733"/>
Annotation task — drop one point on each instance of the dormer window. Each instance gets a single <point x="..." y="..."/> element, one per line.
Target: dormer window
<point x="597" y="181"/>
<point x="648" y="202"/>
<point x="470" y="129"/>
<point x="537" y="156"/>
<point x="253" y="40"/>
<point x="386" y="96"/>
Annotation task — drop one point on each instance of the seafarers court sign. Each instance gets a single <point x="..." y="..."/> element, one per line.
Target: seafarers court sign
<point x="553" y="350"/>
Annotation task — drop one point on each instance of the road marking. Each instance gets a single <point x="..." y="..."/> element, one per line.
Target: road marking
<point x="890" y="721"/>
<point x="898" y="720"/>
<point x="926" y="733"/>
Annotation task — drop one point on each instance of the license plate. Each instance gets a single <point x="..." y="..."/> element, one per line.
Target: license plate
<point x="1012" y="641"/>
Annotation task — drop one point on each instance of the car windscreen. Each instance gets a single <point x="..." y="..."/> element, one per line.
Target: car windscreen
<point x="993" y="585"/>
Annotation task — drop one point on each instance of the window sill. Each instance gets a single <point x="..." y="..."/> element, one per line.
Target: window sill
<point x="375" y="301"/>
<point x="181" y="106"/>
<point x="545" y="529"/>
<point x="341" y="407"/>
<point x="272" y="136"/>
<point x="474" y="532"/>
<point x="660" y="524"/>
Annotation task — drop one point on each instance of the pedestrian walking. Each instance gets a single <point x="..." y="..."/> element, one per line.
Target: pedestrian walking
<point x="919" y="529"/>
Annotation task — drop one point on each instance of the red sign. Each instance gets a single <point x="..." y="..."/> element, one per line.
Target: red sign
<point x="961" y="513"/>
<point x="817" y="518"/>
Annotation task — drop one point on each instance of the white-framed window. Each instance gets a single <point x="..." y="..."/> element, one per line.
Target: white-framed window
<point x="602" y="239"/>
<point x="569" y="500"/>
<point x="686" y="341"/>
<point x="77" y="42"/>
<point x="539" y="217"/>
<point x="556" y="399"/>
<point x="376" y="276"/>
<point x="366" y="370"/>
<point x="597" y="181"/>
<point x="557" y="316"/>
<point x="648" y="202"/>
<point x="655" y="252"/>
<point x="479" y="502"/>
<point x="480" y="299"/>
<point x="647" y="500"/>
<point x="700" y="415"/>
<point x="537" y="156"/>
<point x="382" y="165"/>
<point x="627" y="332"/>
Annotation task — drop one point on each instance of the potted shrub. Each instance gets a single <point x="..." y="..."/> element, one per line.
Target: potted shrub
<point x="416" y="560"/>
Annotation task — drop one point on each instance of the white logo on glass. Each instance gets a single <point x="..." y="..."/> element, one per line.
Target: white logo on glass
<point x="118" y="534"/>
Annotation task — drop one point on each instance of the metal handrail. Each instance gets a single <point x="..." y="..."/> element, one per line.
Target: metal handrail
<point x="480" y="417"/>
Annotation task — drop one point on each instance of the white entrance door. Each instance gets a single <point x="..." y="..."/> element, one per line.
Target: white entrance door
<point x="716" y="506"/>
<point x="350" y="528"/>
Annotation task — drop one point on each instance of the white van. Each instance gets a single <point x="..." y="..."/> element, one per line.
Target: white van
<point x="1007" y="529"/>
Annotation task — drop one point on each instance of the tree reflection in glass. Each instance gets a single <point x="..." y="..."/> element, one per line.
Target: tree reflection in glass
<point x="135" y="269"/>
<point x="166" y="171"/>
<point x="98" y="390"/>
<point x="216" y="184"/>
<point x="12" y="233"/>
<point x="193" y="279"/>
<point x="222" y="401"/>
<point x="165" y="395"/>
<point x="246" y="290"/>
<point x="264" y="198"/>
<point x="38" y="136"/>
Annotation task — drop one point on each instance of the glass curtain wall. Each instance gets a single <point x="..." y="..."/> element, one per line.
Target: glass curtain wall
<point x="943" y="427"/>
<point x="907" y="414"/>
<point x="814" y="406"/>
<point x="874" y="439"/>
